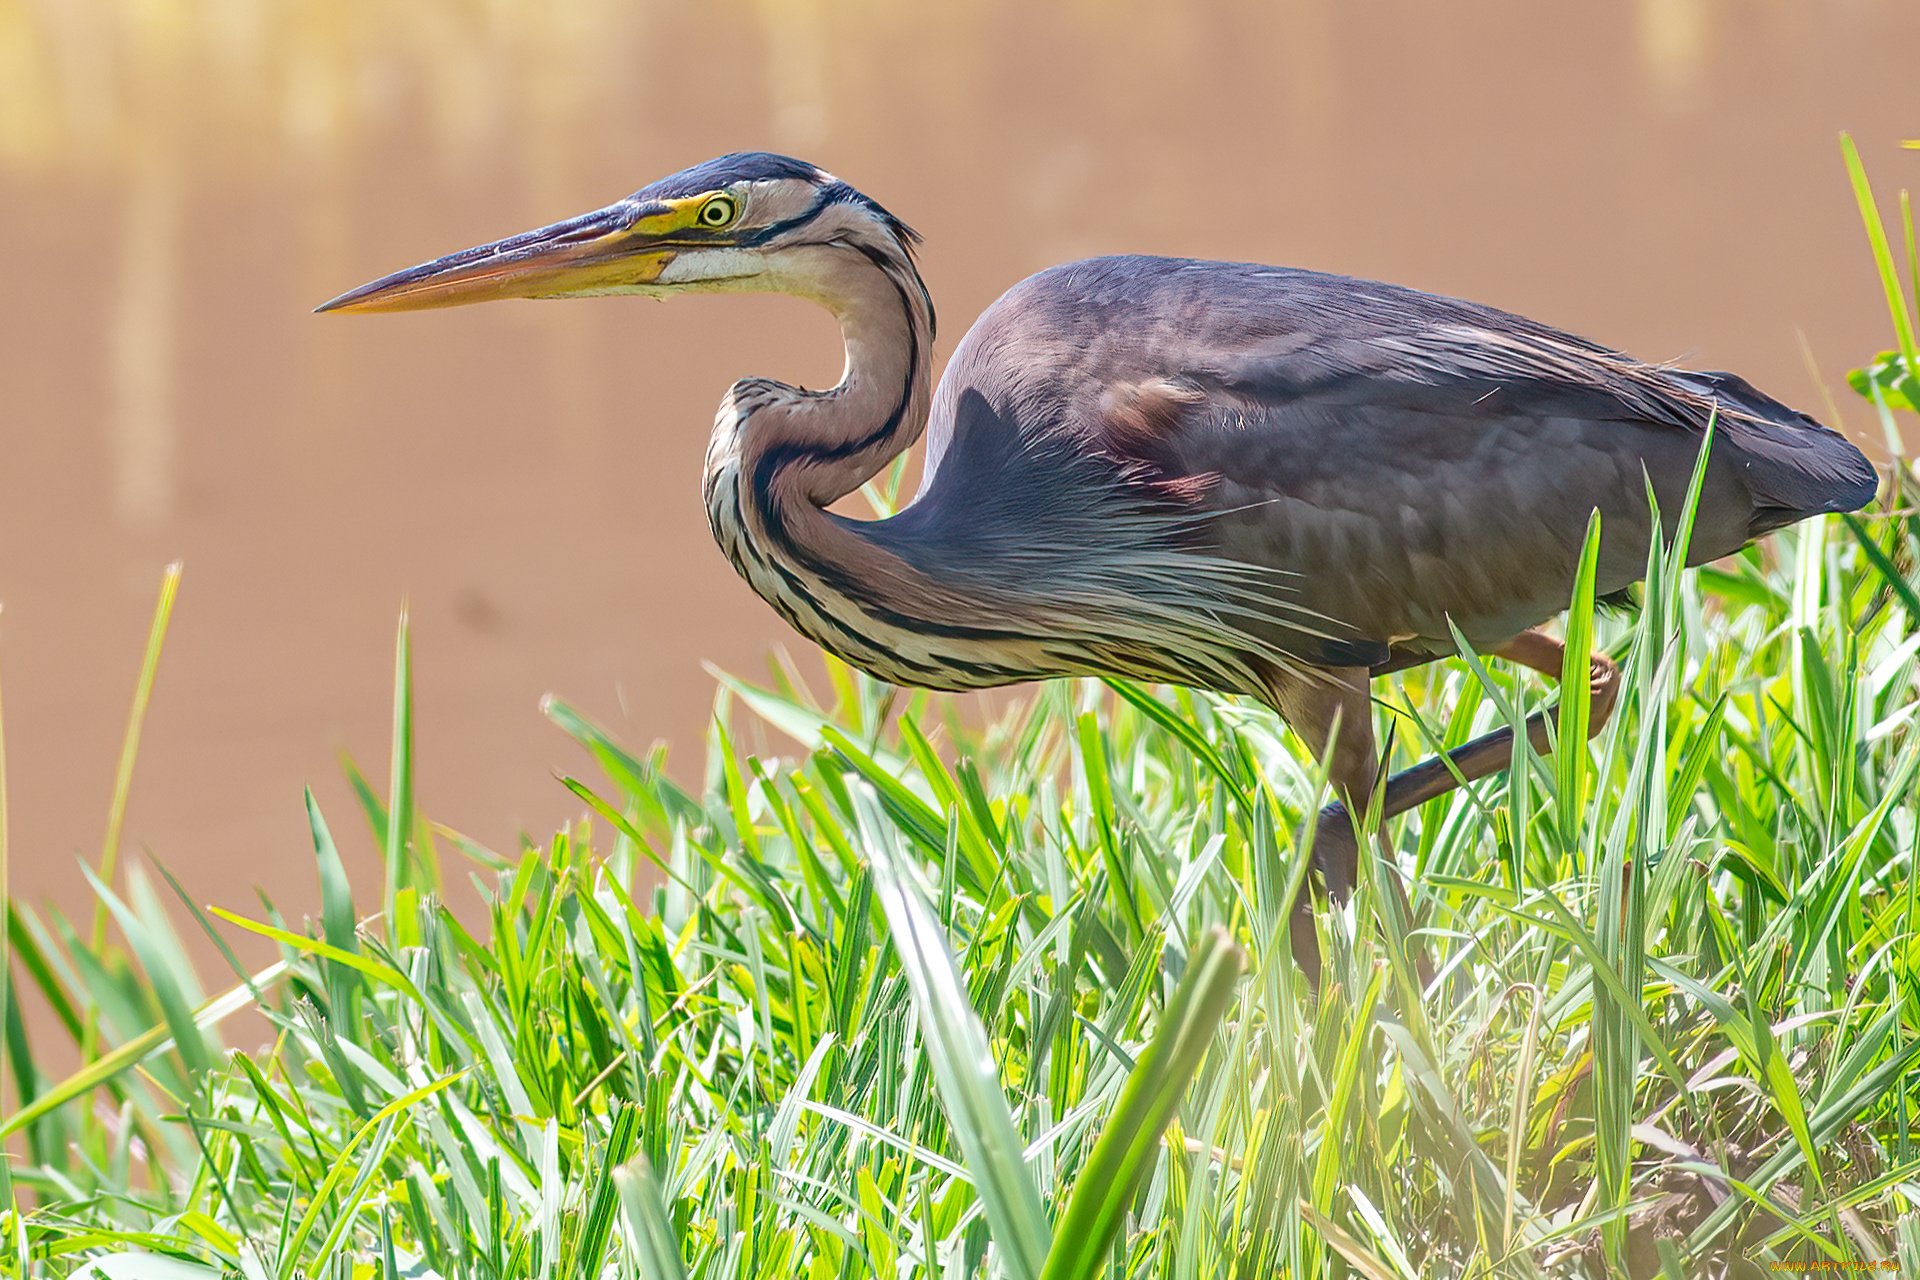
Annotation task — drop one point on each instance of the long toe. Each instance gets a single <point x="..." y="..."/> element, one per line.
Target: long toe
<point x="1336" y="852"/>
<point x="1304" y="941"/>
<point x="1336" y="858"/>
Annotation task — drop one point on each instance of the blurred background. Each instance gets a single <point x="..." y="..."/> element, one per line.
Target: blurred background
<point x="181" y="181"/>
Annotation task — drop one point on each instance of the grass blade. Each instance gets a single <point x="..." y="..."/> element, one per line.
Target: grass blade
<point x="959" y="1053"/>
<point x="1130" y="1144"/>
<point x="130" y="743"/>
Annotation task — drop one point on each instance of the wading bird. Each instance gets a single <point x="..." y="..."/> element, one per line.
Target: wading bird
<point x="1252" y="479"/>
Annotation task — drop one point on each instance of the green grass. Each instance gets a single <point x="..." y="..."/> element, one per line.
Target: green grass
<point x="928" y="999"/>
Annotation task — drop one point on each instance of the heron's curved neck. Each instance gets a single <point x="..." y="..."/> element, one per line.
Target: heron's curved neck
<point x="816" y="447"/>
<point x="792" y="452"/>
<point x="780" y="455"/>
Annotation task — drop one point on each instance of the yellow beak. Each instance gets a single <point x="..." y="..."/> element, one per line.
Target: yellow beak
<point x="601" y="252"/>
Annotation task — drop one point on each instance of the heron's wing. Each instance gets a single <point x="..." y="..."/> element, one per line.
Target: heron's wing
<point x="1440" y="465"/>
<point x="1392" y="459"/>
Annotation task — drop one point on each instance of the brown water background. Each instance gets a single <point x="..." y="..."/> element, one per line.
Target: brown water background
<point x="182" y="180"/>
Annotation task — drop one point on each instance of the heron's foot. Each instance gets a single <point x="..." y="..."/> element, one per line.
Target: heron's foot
<point x="1336" y="852"/>
<point x="1336" y="856"/>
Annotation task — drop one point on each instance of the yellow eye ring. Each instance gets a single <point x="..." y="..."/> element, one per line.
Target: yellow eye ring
<point x="718" y="212"/>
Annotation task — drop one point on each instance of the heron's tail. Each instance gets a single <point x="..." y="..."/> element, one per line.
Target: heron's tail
<point x="1791" y="465"/>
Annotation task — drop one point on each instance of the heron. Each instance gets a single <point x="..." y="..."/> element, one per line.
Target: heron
<point x="1263" y="481"/>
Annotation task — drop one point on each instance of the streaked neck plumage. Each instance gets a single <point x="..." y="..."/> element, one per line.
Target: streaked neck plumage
<point x="826" y="444"/>
<point x="779" y="455"/>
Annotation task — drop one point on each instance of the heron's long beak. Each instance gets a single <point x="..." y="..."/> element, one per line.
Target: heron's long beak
<point x="612" y="249"/>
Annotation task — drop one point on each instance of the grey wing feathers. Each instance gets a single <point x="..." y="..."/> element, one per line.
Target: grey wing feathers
<point x="1269" y="338"/>
<point x="1404" y="459"/>
<point x="1791" y="465"/>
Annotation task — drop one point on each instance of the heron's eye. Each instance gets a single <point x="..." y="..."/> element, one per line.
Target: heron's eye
<point x="718" y="212"/>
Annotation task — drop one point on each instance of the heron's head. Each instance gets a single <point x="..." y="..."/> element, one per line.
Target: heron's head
<point x="744" y="222"/>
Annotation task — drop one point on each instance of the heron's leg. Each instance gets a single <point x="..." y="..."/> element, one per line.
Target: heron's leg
<point x="1334" y="706"/>
<point x="1492" y="752"/>
<point x="1310" y="707"/>
<point x="1318" y="706"/>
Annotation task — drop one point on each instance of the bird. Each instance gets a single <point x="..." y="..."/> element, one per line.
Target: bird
<point x="1263" y="481"/>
